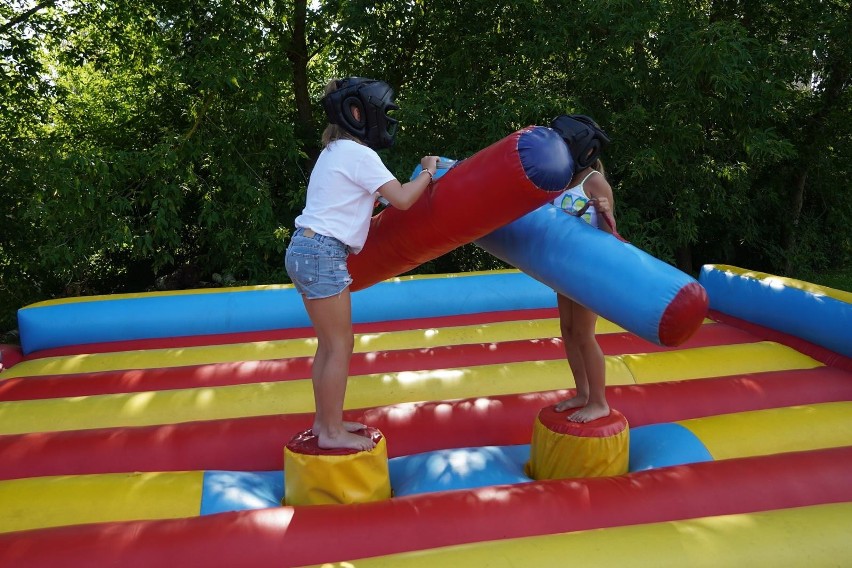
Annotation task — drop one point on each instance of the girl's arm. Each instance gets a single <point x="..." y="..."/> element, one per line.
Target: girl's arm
<point x="403" y="195"/>
<point x="598" y="188"/>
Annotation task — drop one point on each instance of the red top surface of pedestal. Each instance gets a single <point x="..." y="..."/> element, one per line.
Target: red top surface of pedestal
<point x="605" y="427"/>
<point x="306" y="443"/>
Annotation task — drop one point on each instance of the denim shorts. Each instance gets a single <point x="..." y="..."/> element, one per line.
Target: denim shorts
<point x="317" y="265"/>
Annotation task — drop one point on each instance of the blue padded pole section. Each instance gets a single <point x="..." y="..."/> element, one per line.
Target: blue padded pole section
<point x="614" y="279"/>
<point x="59" y="323"/>
<point x="820" y="319"/>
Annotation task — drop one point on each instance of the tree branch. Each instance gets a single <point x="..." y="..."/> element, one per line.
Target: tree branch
<point x="24" y="16"/>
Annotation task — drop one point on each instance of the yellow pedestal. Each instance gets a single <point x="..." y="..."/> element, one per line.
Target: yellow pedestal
<point x="313" y="476"/>
<point x="562" y="449"/>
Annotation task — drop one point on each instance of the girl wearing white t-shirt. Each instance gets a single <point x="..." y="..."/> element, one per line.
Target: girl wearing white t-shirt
<point x="342" y="190"/>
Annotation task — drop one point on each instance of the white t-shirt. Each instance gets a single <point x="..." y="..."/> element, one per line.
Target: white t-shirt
<point x="341" y="192"/>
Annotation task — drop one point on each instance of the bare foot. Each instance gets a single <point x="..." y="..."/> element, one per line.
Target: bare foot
<point x="353" y="426"/>
<point x="590" y="412"/>
<point x="348" y="426"/>
<point x="569" y="403"/>
<point x="346" y="440"/>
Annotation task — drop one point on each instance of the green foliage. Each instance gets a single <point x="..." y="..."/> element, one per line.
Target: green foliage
<point x="163" y="143"/>
<point x="837" y="279"/>
<point x="166" y="140"/>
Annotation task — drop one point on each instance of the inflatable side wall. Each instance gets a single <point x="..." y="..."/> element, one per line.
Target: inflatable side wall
<point x="817" y="314"/>
<point x="155" y="315"/>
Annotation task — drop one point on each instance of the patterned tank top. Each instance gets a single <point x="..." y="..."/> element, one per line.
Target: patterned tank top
<point x="574" y="198"/>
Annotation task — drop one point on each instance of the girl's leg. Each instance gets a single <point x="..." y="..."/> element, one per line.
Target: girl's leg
<point x="594" y="365"/>
<point x="332" y="320"/>
<point x="573" y="354"/>
<point x="318" y="370"/>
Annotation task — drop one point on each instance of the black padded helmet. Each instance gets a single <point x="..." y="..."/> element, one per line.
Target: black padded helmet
<point x="584" y="137"/>
<point x="374" y="99"/>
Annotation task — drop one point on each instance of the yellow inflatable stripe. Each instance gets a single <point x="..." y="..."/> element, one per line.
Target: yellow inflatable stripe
<point x="284" y="349"/>
<point x="187" y="405"/>
<point x="716" y="361"/>
<point x="774" y="431"/>
<point x="135" y="295"/>
<point x="259" y="399"/>
<point x="40" y="502"/>
<point x="804" y="536"/>
<point x="779" y="281"/>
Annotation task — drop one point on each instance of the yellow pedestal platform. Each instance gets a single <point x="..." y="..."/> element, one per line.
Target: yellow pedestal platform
<point x="314" y="476"/>
<point x="562" y="449"/>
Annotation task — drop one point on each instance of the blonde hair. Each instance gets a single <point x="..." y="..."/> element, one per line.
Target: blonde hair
<point x="334" y="132"/>
<point x="599" y="167"/>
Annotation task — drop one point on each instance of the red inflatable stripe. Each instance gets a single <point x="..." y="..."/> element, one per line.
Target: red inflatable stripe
<point x="256" y="443"/>
<point x="817" y="352"/>
<point x="288" y="536"/>
<point x="246" y="372"/>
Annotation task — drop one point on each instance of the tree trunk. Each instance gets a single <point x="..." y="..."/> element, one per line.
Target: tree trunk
<point x="797" y="200"/>
<point x="683" y="258"/>
<point x="834" y="81"/>
<point x="298" y="55"/>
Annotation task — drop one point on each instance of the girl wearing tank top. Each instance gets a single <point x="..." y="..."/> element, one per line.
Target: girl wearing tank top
<point x="576" y="322"/>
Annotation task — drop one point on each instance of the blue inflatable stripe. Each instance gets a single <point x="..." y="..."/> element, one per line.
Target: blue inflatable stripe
<point x="462" y="468"/>
<point x="157" y="316"/>
<point x="819" y="319"/>
<point x="240" y="491"/>
<point x="663" y="445"/>
<point x="433" y="297"/>
<point x="651" y="446"/>
<point x="151" y="316"/>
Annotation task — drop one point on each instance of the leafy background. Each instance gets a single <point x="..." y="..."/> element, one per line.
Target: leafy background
<point x="167" y="144"/>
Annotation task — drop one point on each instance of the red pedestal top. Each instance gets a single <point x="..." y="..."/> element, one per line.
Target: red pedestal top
<point x="306" y="443"/>
<point x="605" y="427"/>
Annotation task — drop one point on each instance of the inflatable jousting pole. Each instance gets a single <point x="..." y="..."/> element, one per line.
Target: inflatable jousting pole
<point x="493" y="187"/>
<point x="614" y="279"/>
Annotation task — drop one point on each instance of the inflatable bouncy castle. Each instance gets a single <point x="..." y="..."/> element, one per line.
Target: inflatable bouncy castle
<point x="166" y="445"/>
<point x="162" y="428"/>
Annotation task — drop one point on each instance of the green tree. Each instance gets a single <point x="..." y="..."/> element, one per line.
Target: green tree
<point x="145" y="138"/>
<point x="162" y="143"/>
